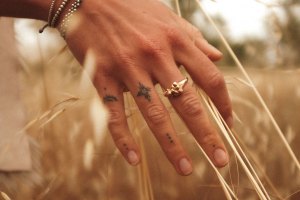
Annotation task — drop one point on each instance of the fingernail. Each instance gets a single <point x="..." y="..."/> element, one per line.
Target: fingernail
<point x="220" y="157"/>
<point x="185" y="166"/>
<point x="229" y="122"/>
<point x="215" y="50"/>
<point x="132" y="157"/>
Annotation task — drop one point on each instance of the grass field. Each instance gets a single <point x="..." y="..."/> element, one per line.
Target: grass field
<point x="75" y="158"/>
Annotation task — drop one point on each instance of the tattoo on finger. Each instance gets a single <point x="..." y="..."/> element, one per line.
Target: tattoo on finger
<point x="126" y="147"/>
<point x="144" y="91"/>
<point x="109" y="98"/>
<point x="170" y="138"/>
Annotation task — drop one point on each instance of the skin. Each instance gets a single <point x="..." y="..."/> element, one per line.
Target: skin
<point x="136" y="44"/>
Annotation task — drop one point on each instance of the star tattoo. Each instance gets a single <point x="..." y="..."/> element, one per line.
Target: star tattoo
<point x="144" y="91"/>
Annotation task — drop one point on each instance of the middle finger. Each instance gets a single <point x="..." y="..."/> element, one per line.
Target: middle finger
<point x="191" y="110"/>
<point x="159" y="121"/>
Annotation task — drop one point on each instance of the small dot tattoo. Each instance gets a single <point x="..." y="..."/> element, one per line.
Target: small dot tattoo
<point x="170" y="138"/>
<point x="125" y="146"/>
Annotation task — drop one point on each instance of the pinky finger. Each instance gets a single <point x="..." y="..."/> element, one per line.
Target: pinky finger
<point x="210" y="51"/>
<point x="200" y="42"/>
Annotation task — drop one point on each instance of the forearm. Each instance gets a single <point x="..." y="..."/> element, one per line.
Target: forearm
<point x="34" y="9"/>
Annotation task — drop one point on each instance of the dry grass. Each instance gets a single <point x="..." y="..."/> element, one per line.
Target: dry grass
<point x="76" y="159"/>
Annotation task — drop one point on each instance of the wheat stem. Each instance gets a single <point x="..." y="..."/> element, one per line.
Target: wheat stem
<point x="5" y="196"/>
<point x="178" y="10"/>
<point x="227" y="190"/>
<point x="225" y="132"/>
<point x="222" y="122"/>
<point x="267" y="179"/>
<point x="145" y="187"/>
<point x="240" y="66"/>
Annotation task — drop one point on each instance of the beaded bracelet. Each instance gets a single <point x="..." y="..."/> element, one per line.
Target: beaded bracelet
<point x="49" y="16"/>
<point x="52" y="21"/>
<point x="58" y="13"/>
<point x="66" y="20"/>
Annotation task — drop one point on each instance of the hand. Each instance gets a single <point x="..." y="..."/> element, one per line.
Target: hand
<point x="138" y="43"/>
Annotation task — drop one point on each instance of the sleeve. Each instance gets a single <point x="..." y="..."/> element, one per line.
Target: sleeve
<point x="14" y="145"/>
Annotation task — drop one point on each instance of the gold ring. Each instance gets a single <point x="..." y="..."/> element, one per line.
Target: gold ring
<point x="176" y="88"/>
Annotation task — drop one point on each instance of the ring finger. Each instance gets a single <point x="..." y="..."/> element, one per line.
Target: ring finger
<point x="189" y="107"/>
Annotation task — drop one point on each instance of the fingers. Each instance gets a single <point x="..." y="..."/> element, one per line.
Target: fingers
<point x="159" y="122"/>
<point x="210" y="51"/>
<point x="208" y="77"/>
<point x="195" y="35"/>
<point x="192" y="112"/>
<point x="112" y="96"/>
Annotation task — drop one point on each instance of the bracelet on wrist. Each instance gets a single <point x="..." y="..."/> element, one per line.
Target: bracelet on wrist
<point x="66" y="20"/>
<point x="53" y="19"/>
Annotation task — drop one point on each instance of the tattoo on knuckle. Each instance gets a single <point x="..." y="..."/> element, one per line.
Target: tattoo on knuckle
<point x="109" y="98"/>
<point x="156" y="114"/>
<point x="144" y="91"/>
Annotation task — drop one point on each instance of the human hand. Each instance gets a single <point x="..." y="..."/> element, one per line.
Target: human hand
<point x="138" y="43"/>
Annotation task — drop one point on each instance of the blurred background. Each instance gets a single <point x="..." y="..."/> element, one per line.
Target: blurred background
<point x="263" y="33"/>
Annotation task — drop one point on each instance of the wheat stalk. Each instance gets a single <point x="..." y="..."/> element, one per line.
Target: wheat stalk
<point x="5" y="196"/>
<point x="227" y="190"/>
<point x="250" y="82"/>
<point x="267" y="179"/>
<point x="145" y="187"/>
<point x="177" y="5"/>
<point x="235" y="147"/>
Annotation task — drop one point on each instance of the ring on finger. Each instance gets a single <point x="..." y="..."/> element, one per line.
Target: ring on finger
<point x="176" y="88"/>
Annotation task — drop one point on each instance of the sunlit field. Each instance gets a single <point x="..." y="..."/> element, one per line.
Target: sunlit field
<point x="75" y="158"/>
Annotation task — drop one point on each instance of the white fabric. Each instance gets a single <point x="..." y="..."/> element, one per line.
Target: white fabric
<point x="14" y="147"/>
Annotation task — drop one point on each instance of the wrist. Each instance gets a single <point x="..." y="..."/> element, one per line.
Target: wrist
<point x="33" y="9"/>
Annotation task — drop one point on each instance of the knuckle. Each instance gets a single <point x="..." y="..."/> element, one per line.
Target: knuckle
<point x="216" y="81"/>
<point x="125" y="58"/>
<point x="156" y="114"/>
<point x="115" y="118"/>
<point x="208" y="139"/>
<point x="191" y="106"/>
<point x="150" y="47"/>
<point x="173" y="151"/>
<point x="227" y="109"/>
<point x="102" y="73"/>
<point x="174" y="36"/>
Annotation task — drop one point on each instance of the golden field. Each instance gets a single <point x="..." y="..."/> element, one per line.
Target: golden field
<point x="75" y="158"/>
